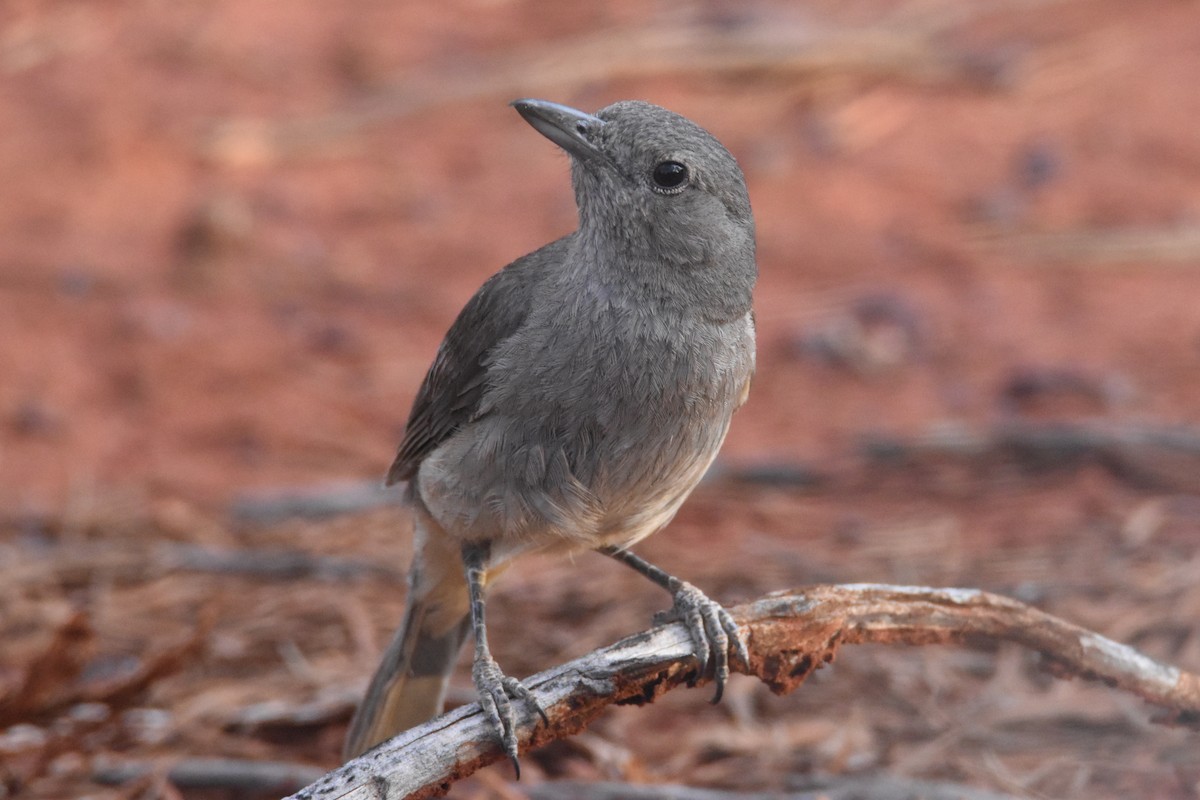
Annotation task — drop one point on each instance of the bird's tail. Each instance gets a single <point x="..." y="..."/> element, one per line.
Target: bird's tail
<point x="409" y="686"/>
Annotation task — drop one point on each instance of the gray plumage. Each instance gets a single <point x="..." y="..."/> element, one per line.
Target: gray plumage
<point x="583" y="391"/>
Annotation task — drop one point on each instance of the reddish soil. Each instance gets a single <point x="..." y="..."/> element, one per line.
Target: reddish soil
<point x="233" y="233"/>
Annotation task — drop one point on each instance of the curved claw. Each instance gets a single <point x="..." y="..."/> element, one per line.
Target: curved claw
<point x="712" y="630"/>
<point x="495" y="690"/>
<point x="735" y="636"/>
<point x="517" y="690"/>
<point x="720" y="650"/>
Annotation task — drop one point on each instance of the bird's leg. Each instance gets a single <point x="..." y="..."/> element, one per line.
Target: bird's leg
<point x="711" y="626"/>
<point x="494" y="687"/>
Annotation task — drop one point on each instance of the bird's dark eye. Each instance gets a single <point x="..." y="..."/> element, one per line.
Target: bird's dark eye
<point x="670" y="177"/>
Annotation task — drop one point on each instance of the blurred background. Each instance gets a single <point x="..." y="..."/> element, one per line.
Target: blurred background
<point x="232" y="235"/>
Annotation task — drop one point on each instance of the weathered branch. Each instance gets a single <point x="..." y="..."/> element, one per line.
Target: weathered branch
<point x="790" y="634"/>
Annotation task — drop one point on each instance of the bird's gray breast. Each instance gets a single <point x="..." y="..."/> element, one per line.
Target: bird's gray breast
<point x="601" y="415"/>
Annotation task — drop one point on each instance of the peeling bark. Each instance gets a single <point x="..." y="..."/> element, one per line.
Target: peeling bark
<point x="789" y="635"/>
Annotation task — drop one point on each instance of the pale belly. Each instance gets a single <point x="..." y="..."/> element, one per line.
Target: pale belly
<point x="607" y="470"/>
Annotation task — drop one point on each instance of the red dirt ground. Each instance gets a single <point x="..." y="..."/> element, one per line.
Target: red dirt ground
<point x="232" y="234"/>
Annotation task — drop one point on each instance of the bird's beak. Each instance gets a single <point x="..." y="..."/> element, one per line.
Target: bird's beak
<point x="572" y="130"/>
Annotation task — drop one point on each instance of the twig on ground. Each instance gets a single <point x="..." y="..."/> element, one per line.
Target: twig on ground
<point x="842" y="788"/>
<point x="56" y="678"/>
<point x="1151" y="456"/>
<point x="794" y="474"/>
<point x="1158" y="457"/>
<point x="132" y="562"/>
<point x="229" y="774"/>
<point x="275" y="564"/>
<point x="274" y="716"/>
<point x="318" y="502"/>
<point x="789" y="635"/>
<point x="59" y="663"/>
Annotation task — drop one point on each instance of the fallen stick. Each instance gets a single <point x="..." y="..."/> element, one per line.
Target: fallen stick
<point x="1152" y="456"/>
<point x="273" y="564"/>
<point x="789" y="635"/>
<point x="230" y="774"/>
<point x="313" y="502"/>
<point x="1146" y="456"/>
<point x="839" y="788"/>
<point x="119" y="563"/>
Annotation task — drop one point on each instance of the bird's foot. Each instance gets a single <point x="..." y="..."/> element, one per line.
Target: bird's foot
<point x="495" y="692"/>
<point x="712" y="629"/>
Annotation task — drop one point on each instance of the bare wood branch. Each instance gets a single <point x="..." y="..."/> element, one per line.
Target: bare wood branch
<point x="789" y="634"/>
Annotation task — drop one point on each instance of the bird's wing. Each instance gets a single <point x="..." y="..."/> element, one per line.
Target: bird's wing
<point x="452" y="390"/>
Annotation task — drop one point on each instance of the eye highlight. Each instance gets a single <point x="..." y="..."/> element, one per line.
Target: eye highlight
<point x="669" y="177"/>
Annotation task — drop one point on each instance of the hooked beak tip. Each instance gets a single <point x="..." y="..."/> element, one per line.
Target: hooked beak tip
<point x="572" y="130"/>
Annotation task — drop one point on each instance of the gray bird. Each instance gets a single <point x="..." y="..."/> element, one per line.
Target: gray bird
<point x="576" y="401"/>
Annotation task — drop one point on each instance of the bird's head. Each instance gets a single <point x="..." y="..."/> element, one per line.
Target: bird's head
<point x="651" y="183"/>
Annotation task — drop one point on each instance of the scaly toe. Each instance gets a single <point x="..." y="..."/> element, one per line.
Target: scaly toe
<point x="496" y="693"/>
<point x="735" y="636"/>
<point x="712" y="630"/>
<point x="494" y="689"/>
<point x="720" y="648"/>
<point x="518" y="691"/>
